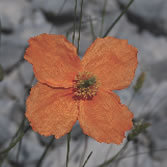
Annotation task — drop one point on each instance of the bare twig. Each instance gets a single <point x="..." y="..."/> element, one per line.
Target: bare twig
<point x="103" y="15"/>
<point x="115" y="156"/>
<point x="87" y="158"/>
<point x="74" y="24"/>
<point x="15" y="142"/>
<point x="80" y="26"/>
<point x="118" y="18"/>
<point x="39" y="163"/>
<point x="84" y="150"/>
<point x="68" y="148"/>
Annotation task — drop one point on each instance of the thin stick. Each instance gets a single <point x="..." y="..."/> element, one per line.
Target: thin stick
<point x="62" y="7"/>
<point x="13" y="138"/>
<point x="0" y="33"/>
<point x="18" y="130"/>
<point x="92" y="29"/>
<point x="18" y="151"/>
<point x="74" y="25"/>
<point x="15" y="142"/>
<point x="72" y="153"/>
<point x="80" y="26"/>
<point x="39" y="163"/>
<point x="118" y="18"/>
<point x="86" y="21"/>
<point x="87" y="159"/>
<point x="84" y="150"/>
<point x="115" y="156"/>
<point x="68" y="148"/>
<point x="141" y="153"/>
<point x="59" y="12"/>
<point x="103" y="15"/>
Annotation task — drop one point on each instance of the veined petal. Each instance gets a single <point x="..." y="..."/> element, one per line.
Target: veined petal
<point x="54" y="59"/>
<point x="104" y="118"/>
<point x="113" y="61"/>
<point x="51" y="111"/>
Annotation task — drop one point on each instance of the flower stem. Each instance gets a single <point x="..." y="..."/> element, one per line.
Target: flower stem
<point x="118" y="18"/>
<point x="0" y="32"/>
<point x="92" y="29"/>
<point x="103" y="15"/>
<point x="87" y="159"/>
<point x="39" y="163"/>
<point x="11" y="145"/>
<point x="18" y="130"/>
<point x="141" y="153"/>
<point x="21" y="128"/>
<point x="80" y="26"/>
<point x="74" y="25"/>
<point x="1" y="69"/>
<point x="115" y="156"/>
<point x="84" y="150"/>
<point x="12" y="140"/>
<point x="18" y="151"/>
<point x="68" y="148"/>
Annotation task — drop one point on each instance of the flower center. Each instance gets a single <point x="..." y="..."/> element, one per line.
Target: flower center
<point x="85" y="86"/>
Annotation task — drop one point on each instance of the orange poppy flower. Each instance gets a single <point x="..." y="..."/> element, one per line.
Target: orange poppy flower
<point x="70" y="89"/>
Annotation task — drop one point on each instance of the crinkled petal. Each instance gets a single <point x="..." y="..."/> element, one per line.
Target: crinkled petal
<point x="51" y="111"/>
<point x="54" y="59"/>
<point x="104" y="118"/>
<point x="113" y="60"/>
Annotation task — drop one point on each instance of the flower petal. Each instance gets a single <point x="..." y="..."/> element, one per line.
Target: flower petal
<point x="113" y="60"/>
<point x="54" y="59"/>
<point x="51" y="111"/>
<point x="104" y="118"/>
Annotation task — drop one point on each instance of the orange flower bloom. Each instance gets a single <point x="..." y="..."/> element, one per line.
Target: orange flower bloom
<point x="70" y="89"/>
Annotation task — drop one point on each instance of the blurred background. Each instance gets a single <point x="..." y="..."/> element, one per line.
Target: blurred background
<point x="145" y="27"/>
